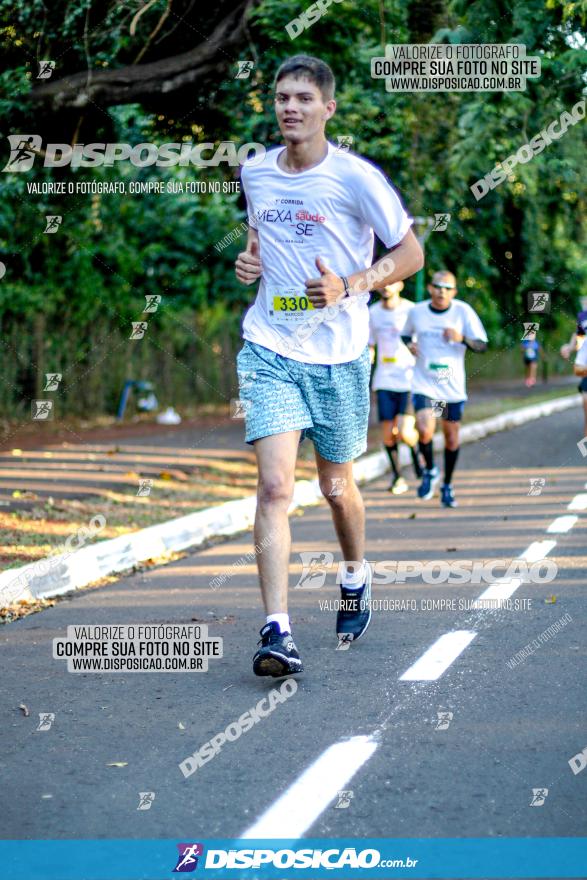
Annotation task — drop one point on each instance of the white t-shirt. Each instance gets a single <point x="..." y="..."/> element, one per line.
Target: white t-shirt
<point x="330" y="211"/>
<point x="440" y="365"/>
<point x="581" y="357"/>
<point x="395" y="364"/>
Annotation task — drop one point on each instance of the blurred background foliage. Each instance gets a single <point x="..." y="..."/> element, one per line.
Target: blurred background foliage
<point x="67" y="300"/>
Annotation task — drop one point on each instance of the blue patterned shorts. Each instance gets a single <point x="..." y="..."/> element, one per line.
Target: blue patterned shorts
<point x="329" y="403"/>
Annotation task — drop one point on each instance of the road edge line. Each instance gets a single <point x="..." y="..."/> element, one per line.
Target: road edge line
<point x="78" y="569"/>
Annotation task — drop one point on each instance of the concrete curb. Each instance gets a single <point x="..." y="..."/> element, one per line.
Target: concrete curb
<point x="65" y="572"/>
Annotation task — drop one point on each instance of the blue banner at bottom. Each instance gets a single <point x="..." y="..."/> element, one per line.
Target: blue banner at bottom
<point x="339" y="859"/>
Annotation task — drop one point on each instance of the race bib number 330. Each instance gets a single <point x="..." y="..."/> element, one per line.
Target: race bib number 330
<point x="288" y="307"/>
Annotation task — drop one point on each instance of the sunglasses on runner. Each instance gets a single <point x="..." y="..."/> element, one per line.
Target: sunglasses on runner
<point x="443" y="286"/>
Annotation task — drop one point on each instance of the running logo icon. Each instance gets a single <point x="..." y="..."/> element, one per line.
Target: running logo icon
<point x="244" y="69"/>
<point x="53" y="223"/>
<point x="41" y="410"/>
<point x="139" y="329"/>
<point x="146" y="799"/>
<point x="46" y="719"/>
<point x="188" y="857"/>
<point x="338" y="486"/>
<point x="23" y="149"/>
<point x="46" y="69"/>
<point x="439" y="409"/>
<point x="539" y="301"/>
<point x="239" y="408"/>
<point x="344" y="800"/>
<point x="52" y="381"/>
<point x="444" y="719"/>
<point x="152" y="302"/>
<point x="539" y="795"/>
<point x="440" y="222"/>
<point x="530" y="331"/>
<point x="536" y="485"/>
<point x="315" y="565"/>
<point x="345" y="142"/>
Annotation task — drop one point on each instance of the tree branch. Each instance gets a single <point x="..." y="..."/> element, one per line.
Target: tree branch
<point x="148" y="81"/>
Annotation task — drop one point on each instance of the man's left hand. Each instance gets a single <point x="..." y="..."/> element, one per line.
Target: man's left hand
<point x="326" y="289"/>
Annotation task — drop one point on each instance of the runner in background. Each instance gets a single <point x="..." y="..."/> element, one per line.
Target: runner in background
<point x="438" y="332"/>
<point x="392" y="379"/>
<point x="531" y="352"/>
<point x="578" y="337"/>
<point x="580" y="369"/>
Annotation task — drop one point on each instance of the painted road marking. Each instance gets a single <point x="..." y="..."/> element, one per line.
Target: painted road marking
<point x="299" y="807"/>
<point x="439" y="656"/>
<point x="537" y="551"/>
<point x="501" y="590"/>
<point x="304" y="801"/>
<point x="579" y="502"/>
<point x="562" y="524"/>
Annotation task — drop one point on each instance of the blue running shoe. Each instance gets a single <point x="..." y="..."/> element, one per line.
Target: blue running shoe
<point x="354" y="615"/>
<point x="430" y="479"/>
<point x="277" y="655"/>
<point x="447" y="496"/>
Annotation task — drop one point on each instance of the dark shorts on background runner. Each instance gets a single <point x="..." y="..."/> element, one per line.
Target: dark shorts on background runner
<point x="583" y="385"/>
<point x="391" y="404"/>
<point x="329" y="403"/>
<point x="454" y="410"/>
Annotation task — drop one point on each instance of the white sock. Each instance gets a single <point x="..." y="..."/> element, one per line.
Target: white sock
<point x="354" y="579"/>
<point x="282" y="621"/>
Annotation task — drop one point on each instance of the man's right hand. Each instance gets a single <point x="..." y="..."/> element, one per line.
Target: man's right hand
<point x="248" y="264"/>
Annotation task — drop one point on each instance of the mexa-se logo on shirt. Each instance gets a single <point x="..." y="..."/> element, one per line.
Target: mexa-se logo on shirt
<point x="304" y="226"/>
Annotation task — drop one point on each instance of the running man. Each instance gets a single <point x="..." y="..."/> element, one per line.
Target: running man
<point x="576" y="345"/>
<point x="580" y="369"/>
<point x="392" y="379"/>
<point x="578" y="337"/>
<point x="531" y="353"/>
<point x="438" y="332"/>
<point x="304" y="366"/>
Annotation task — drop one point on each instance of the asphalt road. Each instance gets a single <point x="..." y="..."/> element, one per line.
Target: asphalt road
<point x="60" y="462"/>
<point x="514" y="727"/>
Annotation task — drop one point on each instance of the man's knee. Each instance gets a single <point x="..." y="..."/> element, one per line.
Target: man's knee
<point x="451" y="435"/>
<point x="275" y="489"/>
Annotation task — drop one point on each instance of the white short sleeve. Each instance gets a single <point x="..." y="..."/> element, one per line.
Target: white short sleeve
<point x="474" y="329"/>
<point x="379" y="205"/>
<point x="408" y="326"/>
<point x="581" y="358"/>
<point x="250" y="207"/>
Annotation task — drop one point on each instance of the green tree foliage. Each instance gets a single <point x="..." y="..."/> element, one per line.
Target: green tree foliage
<point x="67" y="300"/>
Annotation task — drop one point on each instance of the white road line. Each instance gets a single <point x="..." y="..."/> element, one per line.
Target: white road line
<point x="579" y="502"/>
<point x="500" y="590"/>
<point x="562" y="524"/>
<point x="439" y="656"/>
<point x="537" y="550"/>
<point x="299" y="807"/>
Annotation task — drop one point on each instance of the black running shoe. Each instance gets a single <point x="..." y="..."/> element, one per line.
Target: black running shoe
<point x="277" y="655"/>
<point x="354" y="615"/>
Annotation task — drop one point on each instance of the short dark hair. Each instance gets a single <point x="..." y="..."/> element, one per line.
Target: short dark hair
<point x="308" y="67"/>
